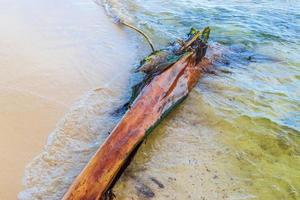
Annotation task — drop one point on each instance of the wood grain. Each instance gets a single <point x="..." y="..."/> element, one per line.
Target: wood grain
<point x="154" y="101"/>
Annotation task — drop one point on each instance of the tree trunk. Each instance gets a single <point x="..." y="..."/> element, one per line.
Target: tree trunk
<point x="155" y="100"/>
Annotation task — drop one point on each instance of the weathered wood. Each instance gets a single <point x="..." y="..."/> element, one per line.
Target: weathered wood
<point x="155" y="100"/>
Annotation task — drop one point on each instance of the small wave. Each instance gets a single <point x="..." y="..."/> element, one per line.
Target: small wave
<point x="69" y="147"/>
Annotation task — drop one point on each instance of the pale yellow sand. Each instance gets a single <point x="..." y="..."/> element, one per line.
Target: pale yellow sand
<point x="51" y="52"/>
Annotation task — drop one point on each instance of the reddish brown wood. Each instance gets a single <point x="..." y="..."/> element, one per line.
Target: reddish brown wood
<point x="162" y="92"/>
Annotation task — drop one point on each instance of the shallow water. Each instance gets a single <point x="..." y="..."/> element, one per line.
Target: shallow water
<point x="237" y="136"/>
<point x="71" y="145"/>
<point x="251" y="106"/>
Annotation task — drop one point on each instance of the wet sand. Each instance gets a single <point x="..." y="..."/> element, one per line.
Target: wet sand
<point x="51" y="53"/>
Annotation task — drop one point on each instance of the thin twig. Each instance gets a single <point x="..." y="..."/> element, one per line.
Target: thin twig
<point x="139" y="31"/>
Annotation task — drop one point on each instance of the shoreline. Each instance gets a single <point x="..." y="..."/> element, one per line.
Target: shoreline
<point x="62" y="55"/>
<point x="233" y="126"/>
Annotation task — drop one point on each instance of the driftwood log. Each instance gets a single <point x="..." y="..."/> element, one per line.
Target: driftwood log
<point x="165" y="90"/>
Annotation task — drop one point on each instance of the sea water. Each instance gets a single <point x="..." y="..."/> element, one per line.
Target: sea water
<point x="251" y="105"/>
<point x="237" y="136"/>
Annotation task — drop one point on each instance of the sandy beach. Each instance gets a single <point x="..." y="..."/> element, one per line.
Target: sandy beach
<point x="65" y="66"/>
<point x="51" y="53"/>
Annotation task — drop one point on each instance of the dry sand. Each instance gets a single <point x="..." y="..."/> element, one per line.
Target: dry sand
<point x="51" y="52"/>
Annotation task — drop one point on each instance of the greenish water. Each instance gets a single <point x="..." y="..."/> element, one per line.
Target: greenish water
<point x="255" y="106"/>
<point x="237" y="135"/>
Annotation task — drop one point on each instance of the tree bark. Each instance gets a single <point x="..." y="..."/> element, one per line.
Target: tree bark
<point x="155" y="101"/>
